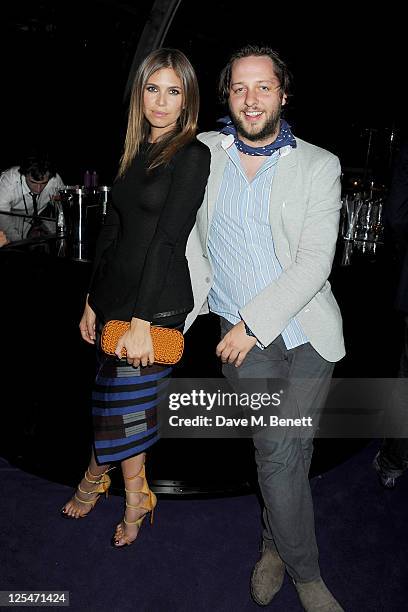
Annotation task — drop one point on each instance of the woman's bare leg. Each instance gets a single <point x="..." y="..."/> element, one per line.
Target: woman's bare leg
<point x="74" y="508"/>
<point x="125" y="533"/>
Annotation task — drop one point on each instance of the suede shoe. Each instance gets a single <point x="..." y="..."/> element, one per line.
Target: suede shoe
<point x="316" y="597"/>
<point x="267" y="576"/>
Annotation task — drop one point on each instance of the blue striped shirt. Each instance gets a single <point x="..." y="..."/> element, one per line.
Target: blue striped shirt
<point x="240" y="243"/>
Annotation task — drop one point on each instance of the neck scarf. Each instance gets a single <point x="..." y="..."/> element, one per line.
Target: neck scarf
<point x="285" y="137"/>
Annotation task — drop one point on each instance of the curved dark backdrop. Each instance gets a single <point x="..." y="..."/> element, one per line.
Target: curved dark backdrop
<point x="65" y="67"/>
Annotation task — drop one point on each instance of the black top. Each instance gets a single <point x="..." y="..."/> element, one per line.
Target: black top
<point x="140" y="269"/>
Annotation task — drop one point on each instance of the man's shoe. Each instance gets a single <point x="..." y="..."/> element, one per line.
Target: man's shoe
<point x="267" y="577"/>
<point x="316" y="597"/>
<point x="386" y="479"/>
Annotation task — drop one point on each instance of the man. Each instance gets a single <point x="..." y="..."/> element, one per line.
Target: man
<point x="392" y="459"/>
<point x="260" y="255"/>
<point x="26" y="190"/>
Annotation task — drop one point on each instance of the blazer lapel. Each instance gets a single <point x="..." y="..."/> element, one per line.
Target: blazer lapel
<point x="219" y="160"/>
<point x="281" y="203"/>
<point x="283" y="183"/>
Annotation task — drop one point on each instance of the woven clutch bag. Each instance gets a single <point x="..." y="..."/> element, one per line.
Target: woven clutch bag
<point x="168" y="344"/>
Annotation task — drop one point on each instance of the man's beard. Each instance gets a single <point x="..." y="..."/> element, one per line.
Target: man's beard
<point x="272" y="125"/>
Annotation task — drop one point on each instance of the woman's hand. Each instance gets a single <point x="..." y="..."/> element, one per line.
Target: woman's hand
<point x="138" y="344"/>
<point x="87" y="324"/>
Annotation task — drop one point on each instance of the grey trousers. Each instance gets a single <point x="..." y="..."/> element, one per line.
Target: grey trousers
<point x="283" y="459"/>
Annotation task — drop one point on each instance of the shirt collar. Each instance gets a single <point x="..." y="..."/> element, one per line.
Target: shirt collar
<point x="284" y="138"/>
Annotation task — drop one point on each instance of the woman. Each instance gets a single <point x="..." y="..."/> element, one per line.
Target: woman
<point x="141" y="275"/>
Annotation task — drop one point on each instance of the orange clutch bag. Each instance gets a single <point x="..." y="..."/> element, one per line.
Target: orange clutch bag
<point x="168" y="344"/>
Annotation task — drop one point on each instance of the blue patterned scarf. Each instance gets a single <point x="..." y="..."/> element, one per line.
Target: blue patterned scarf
<point x="285" y="137"/>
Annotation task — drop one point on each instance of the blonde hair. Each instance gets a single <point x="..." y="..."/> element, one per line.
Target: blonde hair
<point x="138" y="127"/>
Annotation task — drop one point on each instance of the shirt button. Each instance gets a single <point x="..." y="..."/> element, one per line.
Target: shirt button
<point x="207" y="279"/>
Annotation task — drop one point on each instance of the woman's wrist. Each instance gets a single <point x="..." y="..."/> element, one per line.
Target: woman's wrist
<point x="136" y="323"/>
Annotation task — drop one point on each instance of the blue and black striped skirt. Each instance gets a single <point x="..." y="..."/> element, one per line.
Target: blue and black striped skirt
<point x="125" y="407"/>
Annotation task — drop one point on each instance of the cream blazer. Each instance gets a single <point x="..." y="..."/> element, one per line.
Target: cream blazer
<point x="304" y="216"/>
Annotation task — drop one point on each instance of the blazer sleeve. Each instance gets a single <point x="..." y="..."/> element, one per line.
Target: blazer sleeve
<point x="269" y="312"/>
<point x="185" y="196"/>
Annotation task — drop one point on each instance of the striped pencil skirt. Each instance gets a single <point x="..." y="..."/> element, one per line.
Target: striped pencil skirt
<point x="124" y="408"/>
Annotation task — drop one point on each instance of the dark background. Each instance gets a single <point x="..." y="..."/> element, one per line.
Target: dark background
<point x="65" y="67"/>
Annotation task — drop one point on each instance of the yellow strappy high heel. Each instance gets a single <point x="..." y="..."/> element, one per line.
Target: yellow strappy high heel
<point x="103" y="481"/>
<point x="148" y="504"/>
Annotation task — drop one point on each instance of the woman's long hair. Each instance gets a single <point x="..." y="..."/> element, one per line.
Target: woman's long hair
<point x="138" y="127"/>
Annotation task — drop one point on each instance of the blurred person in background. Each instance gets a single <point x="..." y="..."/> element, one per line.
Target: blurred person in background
<point x="391" y="460"/>
<point x="28" y="189"/>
